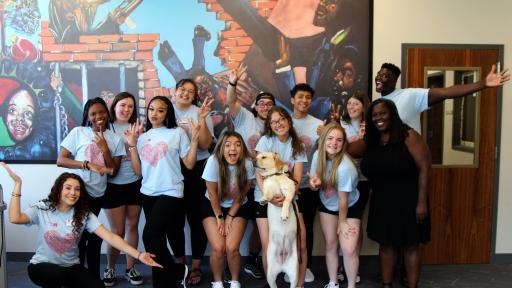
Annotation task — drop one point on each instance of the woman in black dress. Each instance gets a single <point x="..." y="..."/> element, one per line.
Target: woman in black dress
<point x="397" y="163"/>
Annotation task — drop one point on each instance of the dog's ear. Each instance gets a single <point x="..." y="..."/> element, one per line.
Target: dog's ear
<point x="278" y="162"/>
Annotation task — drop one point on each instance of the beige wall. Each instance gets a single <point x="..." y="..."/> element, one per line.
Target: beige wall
<point x="454" y="22"/>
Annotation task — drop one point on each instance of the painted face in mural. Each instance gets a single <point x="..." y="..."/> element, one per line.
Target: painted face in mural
<point x="20" y="115"/>
<point x="346" y="76"/>
<point x="325" y="12"/>
<point x="124" y="110"/>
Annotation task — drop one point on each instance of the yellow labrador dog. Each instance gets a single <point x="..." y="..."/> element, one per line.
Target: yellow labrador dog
<point x="282" y="251"/>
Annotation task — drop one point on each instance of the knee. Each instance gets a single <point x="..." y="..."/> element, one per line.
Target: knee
<point x="349" y="250"/>
<point x="218" y="250"/>
<point x="331" y="245"/>
<point x="232" y="250"/>
<point x="118" y="230"/>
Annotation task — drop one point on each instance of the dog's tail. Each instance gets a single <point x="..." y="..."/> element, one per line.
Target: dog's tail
<point x="296" y="212"/>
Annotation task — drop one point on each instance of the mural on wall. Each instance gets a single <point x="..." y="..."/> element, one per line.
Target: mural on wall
<point x="56" y="54"/>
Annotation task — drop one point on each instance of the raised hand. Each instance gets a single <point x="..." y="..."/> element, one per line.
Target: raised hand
<point x="133" y="132"/>
<point x="320" y="128"/>
<point x="194" y="130"/>
<point x="100" y="141"/>
<point x="495" y="79"/>
<point x="238" y="73"/>
<point x="362" y="130"/>
<point x="205" y="108"/>
<point x="11" y="173"/>
<point x="147" y="258"/>
<point x="314" y="181"/>
<point x="335" y="112"/>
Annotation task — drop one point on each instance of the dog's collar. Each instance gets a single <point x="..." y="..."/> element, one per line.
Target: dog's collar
<point x="274" y="174"/>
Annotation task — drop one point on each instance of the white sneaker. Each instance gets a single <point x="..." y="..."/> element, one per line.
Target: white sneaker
<point x="358" y="279"/>
<point x="310" y="277"/>
<point x="331" y="285"/>
<point x="234" y="284"/>
<point x="217" y="284"/>
<point x="133" y="276"/>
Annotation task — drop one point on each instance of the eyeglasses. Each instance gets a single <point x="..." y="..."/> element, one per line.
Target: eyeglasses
<point x="183" y="89"/>
<point x="265" y="104"/>
<point x="282" y="120"/>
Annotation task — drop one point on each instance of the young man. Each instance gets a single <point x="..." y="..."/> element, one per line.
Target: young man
<point x="410" y="102"/>
<point x="306" y="127"/>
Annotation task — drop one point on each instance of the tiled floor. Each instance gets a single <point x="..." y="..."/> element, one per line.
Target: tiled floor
<point x="467" y="276"/>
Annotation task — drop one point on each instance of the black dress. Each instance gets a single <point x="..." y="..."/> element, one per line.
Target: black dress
<point x="393" y="178"/>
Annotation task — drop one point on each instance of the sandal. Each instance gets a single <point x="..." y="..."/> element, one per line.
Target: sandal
<point x="196" y="276"/>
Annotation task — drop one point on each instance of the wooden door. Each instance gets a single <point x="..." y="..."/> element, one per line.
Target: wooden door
<point x="461" y="198"/>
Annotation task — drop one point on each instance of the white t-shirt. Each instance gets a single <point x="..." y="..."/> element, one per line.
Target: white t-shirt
<point x="306" y="129"/>
<point x="247" y="126"/>
<point x="410" y="103"/>
<point x="80" y="143"/>
<point x="182" y="117"/>
<point x="56" y="242"/>
<point x="125" y="175"/>
<point x="160" y="150"/>
<point x="211" y="173"/>
<point x="352" y="131"/>
<point x="285" y="152"/>
<point x="347" y="182"/>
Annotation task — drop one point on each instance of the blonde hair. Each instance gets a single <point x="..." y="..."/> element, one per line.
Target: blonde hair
<point x="322" y="158"/>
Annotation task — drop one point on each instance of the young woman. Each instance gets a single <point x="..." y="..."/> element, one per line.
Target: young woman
<point x="397" y="164"/>
<point x="228" y="173"/>
<point x="185" y="108"/>
<point x="95" y="151"/>
<point x="122" y="201"/>
<point x="335" y="175"/>
<point x="354" y="125"/>
<point x="62" y="218"/>
<point x="156" y="156"/>
<point x="280" y="137"/>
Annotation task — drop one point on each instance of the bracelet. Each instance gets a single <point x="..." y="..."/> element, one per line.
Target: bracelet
<point x="131" y="148"/>
<point x="232" y="84"/>
<point x="15" y="195"/>
<point x="86" y="165"/>
<point x="232" y="216"/>
<point x="138" y="256"/>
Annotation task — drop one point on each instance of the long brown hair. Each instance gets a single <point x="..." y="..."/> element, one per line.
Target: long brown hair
<point x="241" y="172"/>
<point x="322" y="158"/>
<point x="297" y="145"/>
<point x="81" y="206"/>
<point x="361" y="97"/>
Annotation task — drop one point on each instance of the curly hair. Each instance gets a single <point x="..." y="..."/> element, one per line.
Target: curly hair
<point x="81" y="206"/>
<point x="297" y="144"/>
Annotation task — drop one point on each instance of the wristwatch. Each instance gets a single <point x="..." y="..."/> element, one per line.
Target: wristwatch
<point x="220" y="216"/>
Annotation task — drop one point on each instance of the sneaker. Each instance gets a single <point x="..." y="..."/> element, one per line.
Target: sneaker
<point x="331" y="285"/>
<point x="310" y="277"/>
<point x="358" y="279"/>
<point x="133" y="276"/>
<point x="217" y="285"/>
<point x="109" y="277"/>
<point x="234" y="284"/>
<point x="254" y="269"/>
<point x="182" y="274"/>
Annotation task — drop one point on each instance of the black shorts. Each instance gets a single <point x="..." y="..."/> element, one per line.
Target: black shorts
<point x="118" y="195"/>
<point x="354" y="212"/>
<point x="206" y="210"/>
<point x="260" y="211"/>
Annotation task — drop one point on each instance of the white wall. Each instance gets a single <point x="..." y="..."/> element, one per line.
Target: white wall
<point x="395" y="22"/>
<point x="454" y="22"/>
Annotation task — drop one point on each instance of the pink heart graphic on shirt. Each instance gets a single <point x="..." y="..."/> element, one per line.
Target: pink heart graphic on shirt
<point x="330" y="192"/>
<point x="59" y="244"/>
<point x="94" y="154"/>
<point x="153" y="154"/>
<point x="308" y="143"/>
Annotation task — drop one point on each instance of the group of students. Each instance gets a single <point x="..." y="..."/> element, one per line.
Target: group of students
<point x="165" y="167"/>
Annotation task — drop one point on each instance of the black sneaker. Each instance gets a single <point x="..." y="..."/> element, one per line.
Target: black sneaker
<point x="133" y="276"/>
<point x="109" y="277"/>
<point x="182" y="275"/>
<point x="253" y="268"/>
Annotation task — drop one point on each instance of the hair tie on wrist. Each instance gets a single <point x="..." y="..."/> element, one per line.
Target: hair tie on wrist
<point x="232" y="84"/>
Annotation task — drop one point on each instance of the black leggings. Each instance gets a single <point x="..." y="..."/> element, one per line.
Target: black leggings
<point x="195" y="188"/>
<point x="308" y="201"/>
<point x="52" y="275"/>
<point x="161" y="213"/>
<point x="89" y="246"/>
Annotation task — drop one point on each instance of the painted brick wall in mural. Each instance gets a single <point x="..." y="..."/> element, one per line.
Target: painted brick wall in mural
<point x="56" y="54"/>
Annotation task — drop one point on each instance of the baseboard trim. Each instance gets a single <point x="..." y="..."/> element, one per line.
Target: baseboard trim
<point x="501" y="258"/>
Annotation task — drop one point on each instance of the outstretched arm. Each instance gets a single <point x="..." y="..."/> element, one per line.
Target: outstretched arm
<point x="15" y="215"/>
<point x="493" y="79"/>
<point x="233" y="103"/>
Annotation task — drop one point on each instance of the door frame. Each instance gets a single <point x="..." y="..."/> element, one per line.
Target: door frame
<point x="494" y="258"/>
